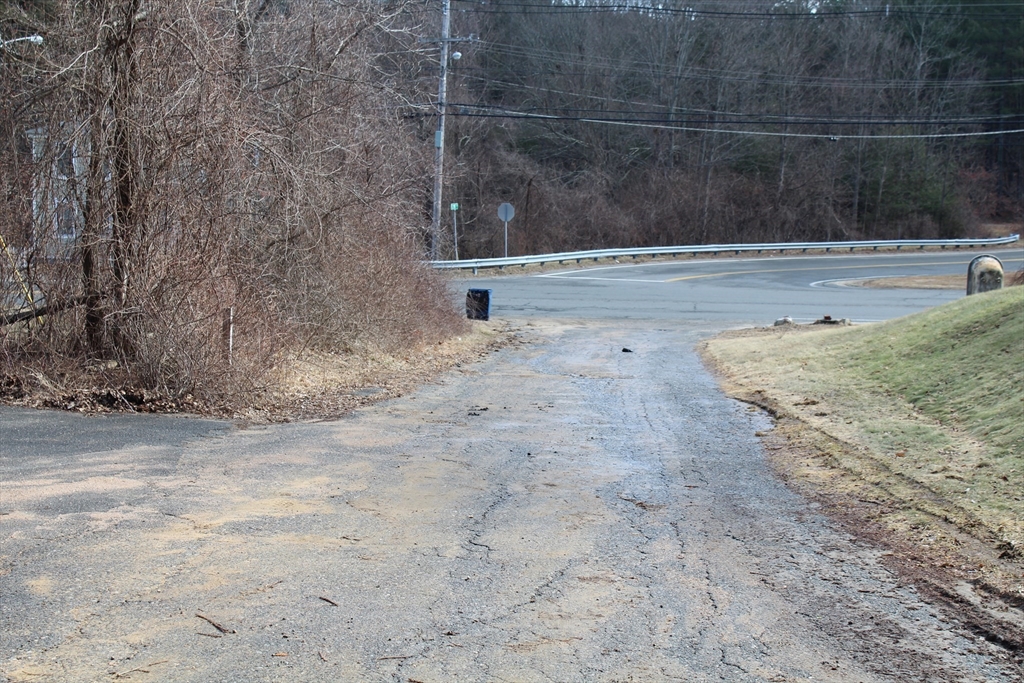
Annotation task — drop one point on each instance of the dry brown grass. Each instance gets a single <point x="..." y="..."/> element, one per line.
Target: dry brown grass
<point x="307" y="384"/>
<point x="913" y="282"/>
<point x="318" y="385"/>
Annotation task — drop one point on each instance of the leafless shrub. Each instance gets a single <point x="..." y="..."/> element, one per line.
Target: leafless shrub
<point x="213" y="186"/>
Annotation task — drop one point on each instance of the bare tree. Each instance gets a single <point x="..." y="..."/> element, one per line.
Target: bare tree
<point x="696" y="122"/>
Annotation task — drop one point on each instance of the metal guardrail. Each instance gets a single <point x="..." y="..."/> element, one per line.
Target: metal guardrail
<point x="782" y="247"/>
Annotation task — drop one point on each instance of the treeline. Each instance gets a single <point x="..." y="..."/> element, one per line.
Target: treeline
<point x="193" y="189"/>
<point x="629" y="124"/>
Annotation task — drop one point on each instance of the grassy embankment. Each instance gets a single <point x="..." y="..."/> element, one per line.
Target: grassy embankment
<point x="911" y="430"/>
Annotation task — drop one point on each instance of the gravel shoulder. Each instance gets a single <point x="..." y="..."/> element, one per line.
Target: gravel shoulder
<point x="562" y="510"/>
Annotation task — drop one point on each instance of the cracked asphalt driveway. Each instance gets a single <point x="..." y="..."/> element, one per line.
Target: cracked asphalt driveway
<point x="562" y="511"/>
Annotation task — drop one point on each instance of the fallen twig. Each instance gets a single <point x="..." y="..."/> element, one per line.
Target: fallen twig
<point x="261" y="589"/>
<point x="120" y="395"/>
<point x="215" y="624"/>
<point x="124" y="674"/>
<point x="329" y="601"/>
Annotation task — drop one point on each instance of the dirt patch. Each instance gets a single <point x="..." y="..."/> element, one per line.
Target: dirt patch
<point x="313" y="385"/>
<point x="913" y="282"/>
<point x="321" y="385"/>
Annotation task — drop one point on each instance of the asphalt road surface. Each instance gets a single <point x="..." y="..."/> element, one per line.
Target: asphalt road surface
<point x="565" y="510"/>
<point x="734" y="291"/>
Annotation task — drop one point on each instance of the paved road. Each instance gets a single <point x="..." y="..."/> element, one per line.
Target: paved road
<point x="740" y="291"/>
<point x="563" y="511"/>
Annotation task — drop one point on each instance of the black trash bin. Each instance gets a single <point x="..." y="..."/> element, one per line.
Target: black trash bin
<point x="478" y="304"/>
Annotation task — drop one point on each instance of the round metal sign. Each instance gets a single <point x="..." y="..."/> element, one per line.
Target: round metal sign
<point x="506" y="212"/>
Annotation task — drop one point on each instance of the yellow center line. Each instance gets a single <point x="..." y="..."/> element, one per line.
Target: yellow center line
<point x="793" y="270"/>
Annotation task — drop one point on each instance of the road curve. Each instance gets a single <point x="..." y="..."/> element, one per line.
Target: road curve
<point x="732" y="291"/>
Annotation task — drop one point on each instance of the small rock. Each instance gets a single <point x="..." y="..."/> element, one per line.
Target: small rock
<point x="625" y="350"/>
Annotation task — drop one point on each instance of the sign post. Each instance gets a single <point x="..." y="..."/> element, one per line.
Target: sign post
<point x="455" y="228"/>
<point x="505" y="214"/>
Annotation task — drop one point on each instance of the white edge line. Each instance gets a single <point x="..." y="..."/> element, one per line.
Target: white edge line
<point x="841" y="281"/>
<point x="606" y="279"/>
<point x="566" y="274"/>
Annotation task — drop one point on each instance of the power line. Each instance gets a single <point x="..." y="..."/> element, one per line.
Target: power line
<point x="764" y="78"/>
<point x="693" y="12"/>
<point x="692" y="116"/>
<point x="654" y="68"/>
<point x="690" y="6"/>
<point x="462" y="110"/>
<point x="682" y="110"/>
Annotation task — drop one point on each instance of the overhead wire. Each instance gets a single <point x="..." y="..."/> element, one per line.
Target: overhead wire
<point x="657" y="119"/>
<point x="834" y="136"/>
<point x="638" y="66"/>
<point x="692" y="115"/>
<point x="697" y="74"/>
<point x="683" y="110"/>
<point x="777" y="12"/>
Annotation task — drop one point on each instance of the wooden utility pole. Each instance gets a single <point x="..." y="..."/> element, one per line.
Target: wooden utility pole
<point x="442" y="93"/>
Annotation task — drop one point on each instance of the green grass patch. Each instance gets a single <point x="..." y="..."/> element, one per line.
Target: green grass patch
<point x="934" y="400"/>
<point x="961" y="364"/>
